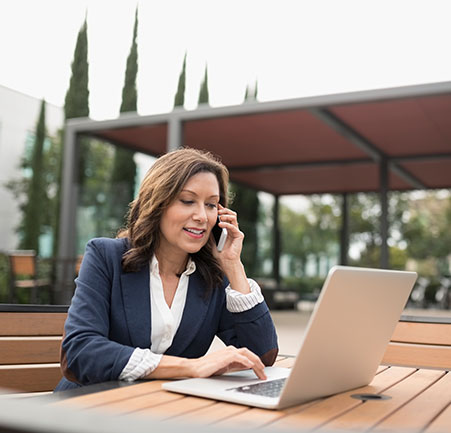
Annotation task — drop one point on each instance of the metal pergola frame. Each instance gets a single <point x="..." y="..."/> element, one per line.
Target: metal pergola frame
<point x="318" y="106"/>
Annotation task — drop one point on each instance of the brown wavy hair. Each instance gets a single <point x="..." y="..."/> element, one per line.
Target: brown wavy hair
<point x="161" y="186"/>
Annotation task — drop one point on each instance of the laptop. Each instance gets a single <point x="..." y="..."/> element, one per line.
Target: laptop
<point x="343" y="345"/>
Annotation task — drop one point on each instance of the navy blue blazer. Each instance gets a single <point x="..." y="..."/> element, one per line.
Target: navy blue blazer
<point x="109" y="317"/>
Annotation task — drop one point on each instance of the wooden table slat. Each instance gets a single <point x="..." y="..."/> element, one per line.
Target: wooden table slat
<point x="421" y="398"/>
<point x="334" y="406"/>
<point x="287" y="363"/>
<point x="381" y="368"/>
<point x="112" y="395"/>
<point x="145" y="401"/>
<point x="423" y="409"/>
<point x="252" y="419"/>
<point x="442" y="423"/>
<point x="281" y="357"/>
<point x="255" y="418"/>
<point x="214" y="413"/>
<point x="177" y="407"/>
<point x="373" y="411"/>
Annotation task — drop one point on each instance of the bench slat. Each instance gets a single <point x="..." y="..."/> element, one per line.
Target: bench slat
<point x="32" y="350"/>
<point x="423" y="333"/>
<point x="417" y="355"/>
<point x="26" y="378"/>
<point x="16" y="324"/>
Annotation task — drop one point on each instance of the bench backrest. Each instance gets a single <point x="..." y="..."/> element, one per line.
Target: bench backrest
<point x="420" y="344"/>
<point x="29" y="349"/>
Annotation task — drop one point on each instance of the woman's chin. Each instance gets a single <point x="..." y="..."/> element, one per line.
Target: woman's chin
<point x="192" y="249"/>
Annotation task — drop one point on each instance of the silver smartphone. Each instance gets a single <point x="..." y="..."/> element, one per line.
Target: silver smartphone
<point x="220" y="235"/>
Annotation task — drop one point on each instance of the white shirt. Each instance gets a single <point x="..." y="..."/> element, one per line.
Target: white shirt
<point x="166" y="320"/>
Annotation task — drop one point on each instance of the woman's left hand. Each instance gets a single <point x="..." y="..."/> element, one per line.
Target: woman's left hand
<point x="231" y="251"/>
<point x="230" y="256"/>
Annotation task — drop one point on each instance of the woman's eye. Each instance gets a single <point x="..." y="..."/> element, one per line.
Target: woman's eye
<point x="212" y="205"/>
<point x="186" y="201"/>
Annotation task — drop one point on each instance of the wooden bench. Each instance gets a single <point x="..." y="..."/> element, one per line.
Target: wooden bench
<point x="420" y="342"/>
<point x="30" y="338"/>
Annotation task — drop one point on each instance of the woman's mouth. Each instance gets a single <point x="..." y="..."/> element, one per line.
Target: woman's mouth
<point x="194" y="233"/>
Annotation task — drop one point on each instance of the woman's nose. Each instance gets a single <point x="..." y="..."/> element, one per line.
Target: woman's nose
<point x="200" y="214"/>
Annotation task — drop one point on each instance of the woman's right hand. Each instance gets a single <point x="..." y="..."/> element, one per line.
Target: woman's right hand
<point x="225" y="360"/>
<point x="212" y="364"/>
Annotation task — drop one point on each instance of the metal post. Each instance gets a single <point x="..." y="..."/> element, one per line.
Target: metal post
<point x="384" y="212"/>
<point x="67" y="224"/>
<point x="175" y="134"/>
<point x="344" y="234"/>
<point x="276" y="241"/>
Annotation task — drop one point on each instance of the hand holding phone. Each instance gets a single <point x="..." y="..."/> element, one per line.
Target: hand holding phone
<point x="220" y="235"/>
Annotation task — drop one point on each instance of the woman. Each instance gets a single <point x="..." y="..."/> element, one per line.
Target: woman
<point x="149" y="303"/>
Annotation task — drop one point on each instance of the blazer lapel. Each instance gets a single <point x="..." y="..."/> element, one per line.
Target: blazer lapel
<point x="196" y="307"/>
<point x="136" y="296"/>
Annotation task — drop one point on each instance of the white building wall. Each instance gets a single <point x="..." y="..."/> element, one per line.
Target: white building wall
<point x="18" y="116"/>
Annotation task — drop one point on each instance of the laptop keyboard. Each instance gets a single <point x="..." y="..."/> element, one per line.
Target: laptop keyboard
<point x="270" y="388"/>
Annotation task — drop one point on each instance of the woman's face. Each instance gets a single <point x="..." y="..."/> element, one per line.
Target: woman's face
<point x="186" y="224"/>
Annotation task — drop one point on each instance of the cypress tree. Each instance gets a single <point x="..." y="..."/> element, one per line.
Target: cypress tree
<point x="124" y="166"/>
<point x="179" y="99"/>
<point x="76" y="104"/>
<point x="250" y="94"/>
<point x="129" y="93"/>
<point x="203" y="94"/>
<point x="33" y="216"/>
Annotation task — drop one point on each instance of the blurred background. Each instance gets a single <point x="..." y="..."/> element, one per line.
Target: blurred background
<point x="101" y="59"/>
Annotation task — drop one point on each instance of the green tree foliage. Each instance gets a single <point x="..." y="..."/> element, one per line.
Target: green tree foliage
<point x="33" y="210"/>
<point x="364" y="221"/>
<point x="203" y="93"/>
<point x="251" y="94"/>
<point x="312" y="234"/>
<point x="418" y="230"/>
<point x="246" y="204"/>
<point x="93" y="213"/>
<point x="179" y="99"/>
<point x="426" y="230"/>
<point x="124" y="166"/>
<point x="49" y="169"/>
<point x="129" y="93"/>
<point x="76" y="103"/>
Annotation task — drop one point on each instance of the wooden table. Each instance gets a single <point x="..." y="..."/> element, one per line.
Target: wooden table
<point x="420" y="400"/>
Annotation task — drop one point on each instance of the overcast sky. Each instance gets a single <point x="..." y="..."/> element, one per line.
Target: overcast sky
<point x="294" y="48"/>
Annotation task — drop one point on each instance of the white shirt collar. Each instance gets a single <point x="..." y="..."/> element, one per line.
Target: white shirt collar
<point x="154" y="268"/>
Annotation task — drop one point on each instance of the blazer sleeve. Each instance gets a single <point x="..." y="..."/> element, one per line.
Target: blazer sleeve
<point x="253" y="329"/>
<point x="87" y="354"/>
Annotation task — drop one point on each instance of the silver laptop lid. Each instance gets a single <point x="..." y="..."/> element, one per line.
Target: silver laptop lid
<point x="348" y="332"/>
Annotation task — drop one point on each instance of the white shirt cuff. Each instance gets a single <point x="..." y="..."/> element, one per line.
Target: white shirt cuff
<point x="141" y="363"/>
<point x="238" y="302"/>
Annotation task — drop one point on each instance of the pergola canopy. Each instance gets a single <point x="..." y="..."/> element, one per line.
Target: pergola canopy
<point x="325" y="144"/>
